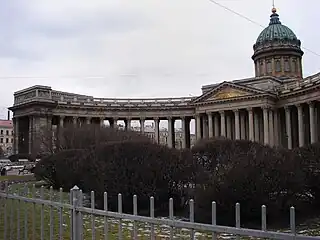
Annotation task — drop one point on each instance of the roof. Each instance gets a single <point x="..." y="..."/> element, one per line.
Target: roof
<point x="276" y="31"/>
<point x="6" y="123"/>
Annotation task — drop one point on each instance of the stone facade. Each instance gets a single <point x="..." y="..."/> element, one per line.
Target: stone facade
<point x="6" y="136"/>
<point x="270" y="108"/>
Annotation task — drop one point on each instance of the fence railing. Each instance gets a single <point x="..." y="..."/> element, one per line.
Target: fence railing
<point x="30" y="214"/>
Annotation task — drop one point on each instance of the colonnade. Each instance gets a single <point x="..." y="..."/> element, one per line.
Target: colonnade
<point x="26" y="128"/>
<point x="290" y="126"/>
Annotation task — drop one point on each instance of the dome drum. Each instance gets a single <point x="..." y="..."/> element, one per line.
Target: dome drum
<point x="277" y="51"/>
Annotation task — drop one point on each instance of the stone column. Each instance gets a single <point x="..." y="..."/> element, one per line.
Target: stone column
<point x="242" y="125"/>
<point x="237" y="124"/>
<point x="276" y="125"/>
<point x="142" y="121"/>
<point x="210" y="125"/>
<point x="205" y="130"/>
<point x="198" y="127"/>
<point x="223" y="124"/>
<point x="313" y="132"/>
<point x="156" y="130"/>
<point x="16" y="135"/>
<point x="102" y="122"/>
<point x="216" y="126"/>
<point x="88" y="120"/>
<point x="229" y="127"/>
<point x="61" y="123"/>
<point x="30" y="135"/>
<point x="265" y="126"/>
<point x="184" y="132"/>
<point x="256" y="127"/>
<point x="251" y="124"/>
<point x="271" y="128"/>
<point x="75" y="121"/>
<point x="114" y="123"/>
<point x="288" y="126"/>
<point x="170" y="132"/>
<point x="300" y="125"/>
<point x="127" y="124"/>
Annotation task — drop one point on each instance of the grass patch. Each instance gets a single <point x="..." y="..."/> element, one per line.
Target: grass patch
<point x="17" y="178"/>
<point x="24" y="219"/>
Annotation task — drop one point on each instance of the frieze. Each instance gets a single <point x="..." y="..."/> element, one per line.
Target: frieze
<point x="43" y="94"/>
<point x="228" y="93"/>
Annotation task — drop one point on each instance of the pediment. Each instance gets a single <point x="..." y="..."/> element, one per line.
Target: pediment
<point x="225" y="91"/>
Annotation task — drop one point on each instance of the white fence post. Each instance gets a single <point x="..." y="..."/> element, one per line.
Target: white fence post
<point x="76" y="215"/>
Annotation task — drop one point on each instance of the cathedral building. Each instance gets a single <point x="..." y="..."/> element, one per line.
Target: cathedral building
<point x="276" y="107"/>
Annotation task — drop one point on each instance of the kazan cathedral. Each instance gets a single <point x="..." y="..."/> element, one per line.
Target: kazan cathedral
<point x="277" y="107"/>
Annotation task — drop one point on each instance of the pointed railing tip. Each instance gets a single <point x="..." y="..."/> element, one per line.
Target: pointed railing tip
<point x="75" y="187"/>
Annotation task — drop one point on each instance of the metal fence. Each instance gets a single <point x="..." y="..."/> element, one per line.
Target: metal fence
<point x="28" y="214"/>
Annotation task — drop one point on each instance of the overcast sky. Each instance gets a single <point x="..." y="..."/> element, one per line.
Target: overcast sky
<point x="139" y="48"/>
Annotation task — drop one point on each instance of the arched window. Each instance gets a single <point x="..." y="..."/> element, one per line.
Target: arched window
<point x="278" y="65"/>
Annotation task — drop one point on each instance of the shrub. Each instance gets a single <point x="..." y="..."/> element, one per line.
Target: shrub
<point x="119" y="162"/>
<point x="309" y="157"/>
<point x="63" y="169"/>
<point x="245" y="172"/>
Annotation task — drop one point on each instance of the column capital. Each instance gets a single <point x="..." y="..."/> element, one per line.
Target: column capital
<point x="62" y="117"/>
<point x="265" y="107"/>
<point x="156" y="118"/>
<point x="222" y="112"/>
<point x="311" y="104"/>
<point x="209" y="113"/>
<point x="250" y="109"/>
<point x="299" y="105"/>
<point x="236" y="111"/>
<point x="142" y="118"/>
<point x="287" y="107"/>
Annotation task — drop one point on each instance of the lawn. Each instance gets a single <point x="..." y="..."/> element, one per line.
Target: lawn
<point x="32" y="227"/>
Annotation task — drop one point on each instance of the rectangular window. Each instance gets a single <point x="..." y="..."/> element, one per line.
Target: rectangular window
<point x="269" y="67"/>
<point x="7" y="140"/>
<point x="11" y="140"/>
<point x="7" y="132"/>
<point x="294" y="65"/>
<point x="286" y="65"/>
<point x="278" y="65"/>
<point x="12" y="133"/>
<point x="1" y="140"/>
<point x="1" y="132"/>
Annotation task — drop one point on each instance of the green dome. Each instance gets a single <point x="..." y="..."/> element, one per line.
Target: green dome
<point x="276" y="31"/>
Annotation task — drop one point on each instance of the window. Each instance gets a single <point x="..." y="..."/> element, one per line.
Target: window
<point x="11" y="140"/>
<point x="261" y="67"/>
<point x="1" y="132"/>
<point x="12" y="133"/>
<point x="7" y="132"/>
<point x="286" y="65"/>
<point x="269" y="67"/>
<point x="278" y="65"/>
<point x="294" y="65"/>
<point x="7" y="140"/>
<point x="1" y="140"/>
